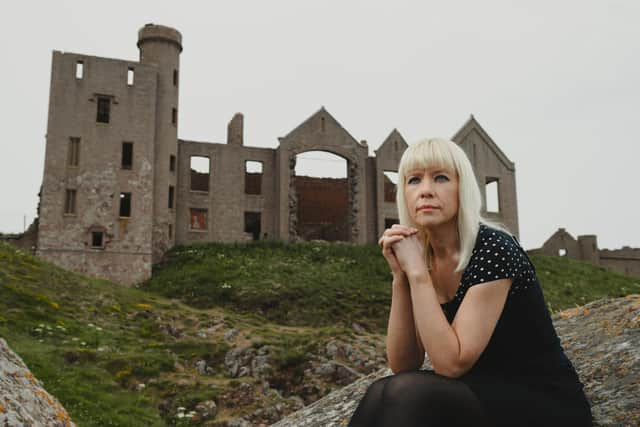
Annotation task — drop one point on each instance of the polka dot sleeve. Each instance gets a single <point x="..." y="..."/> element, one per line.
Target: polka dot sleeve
<point x="497" y="256"/>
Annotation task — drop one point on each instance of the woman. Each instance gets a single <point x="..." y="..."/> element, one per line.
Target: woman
<point x="465" y="292"/>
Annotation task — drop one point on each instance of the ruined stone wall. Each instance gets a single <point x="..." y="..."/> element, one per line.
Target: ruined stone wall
<point x="27" y="241"/>
<point x="372" y="206"/>
<point x="65" y="238"/>
<point x="388" y="157"/>
<point x="561" y="240"/>
<point x="226" y="201"/>
<point x="585" y="248"/>
<point x="321" y="132"/>
<point x="490" y="164"/>
<point x="624" y="261"/>
<point x="323" y="205"/>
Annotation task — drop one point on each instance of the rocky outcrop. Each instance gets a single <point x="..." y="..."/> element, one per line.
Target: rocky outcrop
<point x="602" y="339"/>
<point x="23" y="400"/>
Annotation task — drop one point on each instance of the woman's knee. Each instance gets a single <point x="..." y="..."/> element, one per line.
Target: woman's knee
<point x="376" y="387"/>
<point x="424" y="386"/>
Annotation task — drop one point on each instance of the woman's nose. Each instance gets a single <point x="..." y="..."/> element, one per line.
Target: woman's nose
<point x="426" y="189"/>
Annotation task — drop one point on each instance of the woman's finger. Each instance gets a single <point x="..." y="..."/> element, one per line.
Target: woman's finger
<point x="389" y="241"/>
<point x="395" y="231"/>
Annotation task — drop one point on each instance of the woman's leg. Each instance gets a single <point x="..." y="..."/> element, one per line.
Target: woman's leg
<point x="423" y="398"/>
<point x="369" y="409"/>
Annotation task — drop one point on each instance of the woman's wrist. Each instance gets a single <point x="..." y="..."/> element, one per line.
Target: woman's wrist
<point x="420" y="275"/>
<point x="400" y="279"/>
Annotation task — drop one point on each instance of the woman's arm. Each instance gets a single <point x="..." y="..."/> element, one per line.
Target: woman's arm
<point x="453" y="349"/>
<point x="404" y="351"/>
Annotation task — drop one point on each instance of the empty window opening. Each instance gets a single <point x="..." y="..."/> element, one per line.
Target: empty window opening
<point x="174" y="116"/>
<point x="171" y="194"/>
<point x="322" y="190"/>
<point x="562" y="252"/>
<point x="388" y="222"/>
<point x="390" y="185"/>
<point x="127" y="155"/>
<point x="320" y="164"/>
<point x="97" y="239"/>
<point x="491" y="194"/>
<point x="172" y="163"/>
<point x="125" y="205"/>
<point x="79" y="70"/>
<point x="73" y="159"/>
<point x="198" y="219"/>
<point x="252" y="224"/>
<point x="252" y="177"/>
<point x="104" y="109"/>
<point x="70" y="202"/>
<point x="171" y="231"/>
<point x="175" y="78"/>
<point x="130" y="74"/>
<point x="200" y="173"/>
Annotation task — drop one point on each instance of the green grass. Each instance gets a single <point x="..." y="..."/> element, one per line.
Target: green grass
<point x="307" y="284"/>
<point x="93" y="342"/>
<point x="567" y="283"/>
<point x="319" y="284"/>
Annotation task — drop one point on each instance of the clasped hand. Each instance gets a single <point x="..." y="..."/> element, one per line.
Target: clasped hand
<point x="403" y="249"/>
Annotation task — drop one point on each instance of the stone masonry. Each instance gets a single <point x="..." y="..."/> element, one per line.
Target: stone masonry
<point x="585" y="248"/>
<point x="119" y="188"/>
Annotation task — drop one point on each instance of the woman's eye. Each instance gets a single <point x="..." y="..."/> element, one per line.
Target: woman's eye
<point x="442" y="178"/>
<point x="413" y="180"/>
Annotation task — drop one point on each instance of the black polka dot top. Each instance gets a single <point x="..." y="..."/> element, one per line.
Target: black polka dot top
<point x="524" y="340"/>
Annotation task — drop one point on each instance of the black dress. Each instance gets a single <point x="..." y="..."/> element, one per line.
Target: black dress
<point x="523" y="377"/>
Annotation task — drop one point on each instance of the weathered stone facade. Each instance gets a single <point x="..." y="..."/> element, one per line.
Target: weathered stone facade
<point x="119" y="189"/>
<point x="585" y="248"/>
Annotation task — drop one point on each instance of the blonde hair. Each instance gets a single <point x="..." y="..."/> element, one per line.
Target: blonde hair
<point x="440" y="152"/>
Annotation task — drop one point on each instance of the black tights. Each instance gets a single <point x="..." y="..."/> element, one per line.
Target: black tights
<point x="418" y="398"/>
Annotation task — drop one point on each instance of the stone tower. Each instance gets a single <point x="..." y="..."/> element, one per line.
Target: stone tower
<point x="160" y="46"/>
<point x="111" y="135"/>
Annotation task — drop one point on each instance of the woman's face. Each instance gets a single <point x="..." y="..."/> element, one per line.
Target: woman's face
<point x="432" y="196"/>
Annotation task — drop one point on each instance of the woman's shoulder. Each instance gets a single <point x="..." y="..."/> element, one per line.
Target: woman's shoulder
<point x="497" y="254"/>
<point x="496" y="238"/>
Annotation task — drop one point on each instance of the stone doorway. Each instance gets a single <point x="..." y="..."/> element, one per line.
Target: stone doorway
<point x="321" y="191"/>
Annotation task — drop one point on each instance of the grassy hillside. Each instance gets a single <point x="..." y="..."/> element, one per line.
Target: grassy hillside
<point x="104" y="351"/>
<point x="117" y="356"/>
<point x="309" y="284"/>
<point x="316" y="284"/>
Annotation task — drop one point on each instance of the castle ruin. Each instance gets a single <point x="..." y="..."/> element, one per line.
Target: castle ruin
<point x="120" y="188"/>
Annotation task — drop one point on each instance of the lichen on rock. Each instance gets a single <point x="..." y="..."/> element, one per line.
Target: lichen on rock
<point x="24" y="401"/>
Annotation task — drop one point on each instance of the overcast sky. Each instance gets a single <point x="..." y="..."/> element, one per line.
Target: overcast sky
<point x="556" y="84"/>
